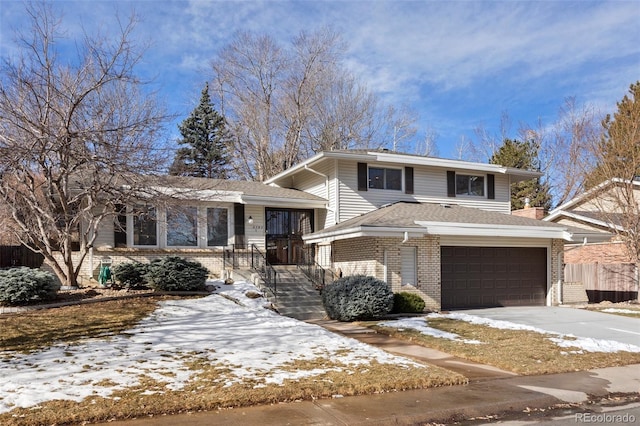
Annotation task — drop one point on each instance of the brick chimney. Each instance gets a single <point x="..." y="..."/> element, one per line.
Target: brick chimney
<point x="531" y="212"/>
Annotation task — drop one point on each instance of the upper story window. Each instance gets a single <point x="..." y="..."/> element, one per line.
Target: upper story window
<point x="469" y="185"/>
<point x="145" y="228"/>
<point x="381" y="178"/>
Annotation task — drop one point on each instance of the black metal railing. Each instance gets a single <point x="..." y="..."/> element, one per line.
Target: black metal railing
<point x="319" y="276"/>
<point x="241" y="256"/>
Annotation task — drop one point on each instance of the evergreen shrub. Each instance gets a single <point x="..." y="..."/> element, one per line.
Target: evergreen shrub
<point x="357" y="297"/>
<point x="405" y="302"/>
<point x="174" y="273"/>
<point x="130" y="274"/>
<point x="20" y="286"/>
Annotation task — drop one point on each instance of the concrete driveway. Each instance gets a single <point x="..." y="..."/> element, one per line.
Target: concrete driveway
<point x="578" y="322"/>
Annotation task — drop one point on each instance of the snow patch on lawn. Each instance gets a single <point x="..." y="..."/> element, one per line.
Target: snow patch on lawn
<point x="420" y="324"/>
<point x="620" y="311"/>
<point x="234" y="332"/>
<point x="562" y="340"/>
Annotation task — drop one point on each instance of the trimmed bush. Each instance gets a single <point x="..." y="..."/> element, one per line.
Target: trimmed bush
<point x="405" y="302"/>
<point x="357" y="297"/>
<point x="20" y="286"/>
<point x="174" y="273"/>
<point x="130" y="274"/>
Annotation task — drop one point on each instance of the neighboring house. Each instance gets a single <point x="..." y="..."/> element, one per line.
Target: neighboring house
<point x="596" y="210"/>
<point x="604" y="265"/>
<point x="439" y="228"/>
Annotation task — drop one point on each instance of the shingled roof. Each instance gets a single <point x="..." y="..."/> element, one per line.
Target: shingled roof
<point x="440" y="219"/>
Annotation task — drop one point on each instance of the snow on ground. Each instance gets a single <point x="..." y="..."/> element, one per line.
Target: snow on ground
<point x="251" y="341"/>
<point x="419" y="324"/>
<point x="562" y="340"/>
<point x="621" y="311"/>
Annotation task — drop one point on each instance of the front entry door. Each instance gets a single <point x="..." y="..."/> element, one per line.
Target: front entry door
<point x="284" y="231"/>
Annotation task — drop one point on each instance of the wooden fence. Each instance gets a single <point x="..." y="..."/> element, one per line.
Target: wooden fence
<point x="12" y="256"/>
<point x="613" y="282"/>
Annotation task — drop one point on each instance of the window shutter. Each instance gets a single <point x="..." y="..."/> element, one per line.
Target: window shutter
<point x="238" y="225"/>
<point x="451" y="183"/>
<point x="491" y="187"/>
<point x="120" y="227"/>
<point x="363" y="183"/>
<point x="408" y="180"/>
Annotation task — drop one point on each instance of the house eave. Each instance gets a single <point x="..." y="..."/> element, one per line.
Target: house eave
<point x="283" y="201"/>
<point x="491" y="230"/>
<point x="362" y="231"/>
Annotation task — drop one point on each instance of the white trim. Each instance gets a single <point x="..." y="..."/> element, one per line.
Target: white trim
<point x="490" y="230"/>
<point x="267" y="201"/>
<point x="561" y="209"/>
<point x="591" y="220"/>
<point x="361" y="231"/>
<point x="386" y="157"/>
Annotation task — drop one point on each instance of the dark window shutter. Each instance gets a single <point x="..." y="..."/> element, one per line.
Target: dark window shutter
<point x="120" y="227"/>
<point x="238" y="225"/>
<point x="451" y="183"/>
<point x="491" y="187"/>
<point x="363" y="179"/>
<point x="408" y="180"/>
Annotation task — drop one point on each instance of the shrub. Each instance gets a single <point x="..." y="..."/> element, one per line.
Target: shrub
<point x="357" y="297"/>
<point x="174" y="273"/>
<point x="130" y="274"/>
<point x="405" y="302"/>
<point x="19" y="286"/>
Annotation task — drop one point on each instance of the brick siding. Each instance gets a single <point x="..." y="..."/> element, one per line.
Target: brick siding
<point x="597" y="253"/>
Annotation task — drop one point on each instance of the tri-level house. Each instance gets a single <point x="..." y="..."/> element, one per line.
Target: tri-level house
<point x="440" y="228"/>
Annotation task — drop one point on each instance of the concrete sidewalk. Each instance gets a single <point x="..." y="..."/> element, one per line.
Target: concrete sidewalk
<point x="439" y="405"/>
<point x="490" y="391"/>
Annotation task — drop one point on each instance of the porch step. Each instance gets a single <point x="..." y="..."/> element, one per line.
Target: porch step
<point x="297" y="298"/>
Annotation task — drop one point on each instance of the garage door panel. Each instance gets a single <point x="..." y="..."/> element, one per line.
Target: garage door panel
<point x="493" y="276"/>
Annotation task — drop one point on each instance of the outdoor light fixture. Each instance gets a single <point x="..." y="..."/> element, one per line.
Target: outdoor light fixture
<point x="250" y="220"/>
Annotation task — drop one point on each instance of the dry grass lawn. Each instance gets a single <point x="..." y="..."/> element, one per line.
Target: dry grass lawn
<point x="39" y="329"/>
<point x="522" y="352"/>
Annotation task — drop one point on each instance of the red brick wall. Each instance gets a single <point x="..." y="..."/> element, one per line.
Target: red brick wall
<point x="597" y="253"/>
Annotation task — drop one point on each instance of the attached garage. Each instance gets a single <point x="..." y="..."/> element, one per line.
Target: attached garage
<point x="474" y="277"/>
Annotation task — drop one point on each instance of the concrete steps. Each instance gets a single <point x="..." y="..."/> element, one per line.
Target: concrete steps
<point x="296" y="296"/>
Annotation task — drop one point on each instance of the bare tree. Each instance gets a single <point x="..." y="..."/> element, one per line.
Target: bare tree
<point x="428" y="146"/>
<point x="617" y="171"/>
<point x="284" y="104"/>
<point x="565" y="148"/>
<point x="75" y="132"/>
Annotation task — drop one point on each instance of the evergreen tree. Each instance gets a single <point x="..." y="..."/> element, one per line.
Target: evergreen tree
<point x="205" y="136"/>
<point x="618" y="153"/>
<point x="523" y="155"/>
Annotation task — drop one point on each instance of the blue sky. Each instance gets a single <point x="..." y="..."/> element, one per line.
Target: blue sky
<point x="458" y="64"/>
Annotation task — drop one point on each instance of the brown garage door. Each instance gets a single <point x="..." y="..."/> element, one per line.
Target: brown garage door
<point x="475" y="277"/>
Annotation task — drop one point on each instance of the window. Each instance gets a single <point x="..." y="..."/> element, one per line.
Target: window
<point x="217" y="227"/>
<point x="380" y="178"/>
<point x="182" y="227"/>
<point x="469" y="185"/>
<point x="145" y="228"/>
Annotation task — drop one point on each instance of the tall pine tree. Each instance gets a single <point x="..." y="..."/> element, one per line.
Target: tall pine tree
<point x="205" y="136"/>
<point x="618" y="153"/>
<point x="523" y="155"/>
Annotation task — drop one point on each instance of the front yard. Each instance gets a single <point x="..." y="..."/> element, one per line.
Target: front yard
<point x="131" y="358"/>
<point x="512" y="347"/>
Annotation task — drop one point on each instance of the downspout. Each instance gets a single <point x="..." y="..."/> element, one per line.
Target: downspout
<point x="406" y="237"/>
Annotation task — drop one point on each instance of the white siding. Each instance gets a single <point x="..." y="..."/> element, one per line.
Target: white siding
<point x="430" y="186"/>
<point x="254" y="232"/>
<point x="104" y="236"/>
